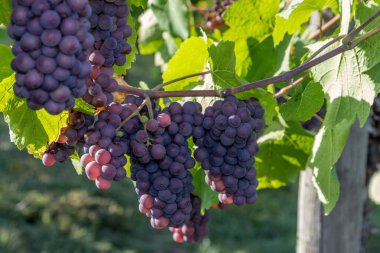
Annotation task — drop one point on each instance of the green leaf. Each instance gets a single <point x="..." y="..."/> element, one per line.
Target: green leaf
<point x="203" y="190"/>
<point x="33" y="130"/>
<point x="121" y="70"/>
<point x="4" y="37"/>
<point x="369" y="50"/>
<point x="284" y="151"/>
<point x="304" y="104"/>
<point x="75" y="160"/>
<point x="150" y="35"/>
<point x="5" y="11"/>
<point x="172" y="16"/>
<point x="269" y="60"/>
<point x="343" y="76"/>
<point x="5" y="62"/>
<point x="299" y="11"/>
<point x="246" y="19"/>
<point x="328" y="147"/>
<point x="190" y="58"/>
<point x="138" y="3"/>
<point x="223" y="63"/>
<point x="83" y="106"/>
<point x="6" y="91"/>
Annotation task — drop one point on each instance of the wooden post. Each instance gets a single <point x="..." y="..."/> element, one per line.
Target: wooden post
<point x="341" y="231"/>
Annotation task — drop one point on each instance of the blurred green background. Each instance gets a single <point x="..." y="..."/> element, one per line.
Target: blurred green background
<point x="55" y="210"/>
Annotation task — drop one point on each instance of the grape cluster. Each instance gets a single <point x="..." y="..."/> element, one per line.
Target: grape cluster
<point x="214" y="18"/>
<point x="105" y="147"/>
<point x="52" y="40"/>
<point x="71" y="135"/>
<point x="109" y="26"/>
<point x="196" y="228"/>
<point x="226" y="148"/>
<point x="161" y="160"/>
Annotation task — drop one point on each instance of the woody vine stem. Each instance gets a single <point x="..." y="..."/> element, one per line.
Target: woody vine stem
<point x="348" y="44"/>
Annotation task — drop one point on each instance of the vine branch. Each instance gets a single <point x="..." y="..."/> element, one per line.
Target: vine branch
<point x="285" y="77"/>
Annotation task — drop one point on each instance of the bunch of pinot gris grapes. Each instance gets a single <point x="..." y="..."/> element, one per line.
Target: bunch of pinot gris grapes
<point x="52" y="40"/>
<point x="109" y="26"/>
<point x="105" y="147"/>
<point x="160" y="164"/>
<point x="227" y="146"/>
<point x="196" y="228"/>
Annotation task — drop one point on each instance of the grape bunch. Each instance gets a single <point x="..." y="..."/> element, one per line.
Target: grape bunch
<point x="227" y="146"/>
<point x="160" y="164"/>
<point x="196" y="228"/>
<point x="105" y="147"/>
<point x="52" y="40"/>
<point x="109" y="27"/>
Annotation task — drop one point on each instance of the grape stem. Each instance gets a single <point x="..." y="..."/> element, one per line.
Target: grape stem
<point x="335" y="20"/>
<point x="135" y="113"/>
<point x="285" y="77"/>
<point x="286" y="89"/>
<point x="150" y="108"/>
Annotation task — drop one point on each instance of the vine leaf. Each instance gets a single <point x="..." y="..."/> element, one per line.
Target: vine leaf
<point x="249" y="22"/>
<point x="304" y="104"/>
<point x="172" y="16"/>
<point x="138" y="3"/>
<point x="349" y="91"/>
<point x="190" y="58"/>
<point x="132" y="40"/>
<point x="75" y="161"/>
<point x="5" y="11"/>
<point x="150" y="34"/>
<point x="268" y="59"/>
<point x="5" y="61"/>
<point x="223" y="62"/>
<point x="328" y="147"/>
<point x="284" y="151"/>
<point x="83" y="106"/>
<point x="29" y="129"/>
<point x="299" y="11"/>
